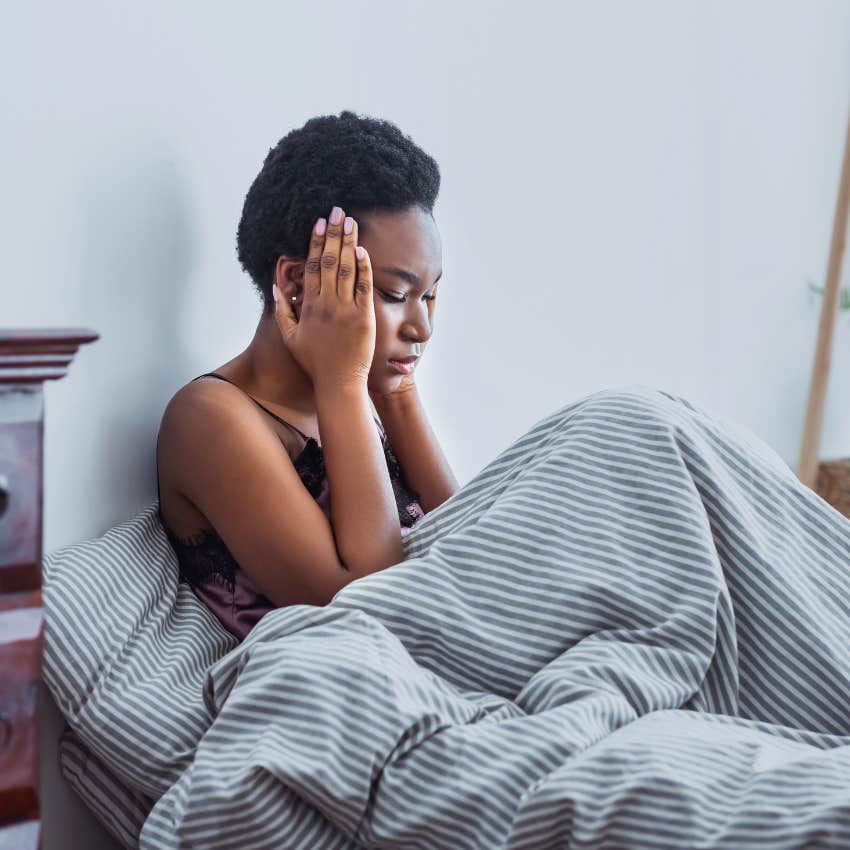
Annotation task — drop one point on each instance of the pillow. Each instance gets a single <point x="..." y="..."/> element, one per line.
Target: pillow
<point x="121" y="811"/>
<point x="126" y="647"/>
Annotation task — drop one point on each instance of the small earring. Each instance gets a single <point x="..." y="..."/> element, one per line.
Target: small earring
<point x="294" y="297"/>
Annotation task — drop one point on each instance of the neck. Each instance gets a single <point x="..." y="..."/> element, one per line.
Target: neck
<point x="271" y="372"/>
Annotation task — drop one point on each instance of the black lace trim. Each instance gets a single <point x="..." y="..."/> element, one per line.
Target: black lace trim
<point x="311" y="466"/>
<point x="209" y="556"/>
<point x="205" y="557"/>
<point x="404" y="494"/>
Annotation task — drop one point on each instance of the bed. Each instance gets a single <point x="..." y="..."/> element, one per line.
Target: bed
<point x="630" y="629"/>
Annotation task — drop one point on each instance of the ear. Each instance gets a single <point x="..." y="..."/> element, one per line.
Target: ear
<point x="289" y="276"/>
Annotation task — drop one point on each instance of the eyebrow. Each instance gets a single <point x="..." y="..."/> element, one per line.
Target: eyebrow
<point x="406" y="275"/>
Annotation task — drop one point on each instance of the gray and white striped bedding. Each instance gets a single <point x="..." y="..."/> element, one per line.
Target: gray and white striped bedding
<point x="121" y="810"/>
<point x="630" y="629"/>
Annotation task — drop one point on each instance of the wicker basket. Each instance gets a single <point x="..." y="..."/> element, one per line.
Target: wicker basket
<point x="833" y="483"/>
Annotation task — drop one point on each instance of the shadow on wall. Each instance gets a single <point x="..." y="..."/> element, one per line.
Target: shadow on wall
<point x="137" y="251"/>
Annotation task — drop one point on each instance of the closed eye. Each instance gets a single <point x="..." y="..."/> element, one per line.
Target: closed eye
<point x="394" y="300"/>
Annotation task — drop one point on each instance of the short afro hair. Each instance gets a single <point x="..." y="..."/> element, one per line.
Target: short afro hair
<point x="362" y="164"/>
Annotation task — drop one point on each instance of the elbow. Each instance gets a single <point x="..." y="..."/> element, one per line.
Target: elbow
<point x="373" y="562"/>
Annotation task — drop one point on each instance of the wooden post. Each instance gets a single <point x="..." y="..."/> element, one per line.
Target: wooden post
<point x="27" y="359"/>
<point x="808" y="468"/>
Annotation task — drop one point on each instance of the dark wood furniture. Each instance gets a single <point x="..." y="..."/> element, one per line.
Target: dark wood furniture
<point x="27" y="359"/>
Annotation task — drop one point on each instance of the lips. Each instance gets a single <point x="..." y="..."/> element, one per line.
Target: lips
<point x="404" y="368"/>
<point x="412" y="359"/>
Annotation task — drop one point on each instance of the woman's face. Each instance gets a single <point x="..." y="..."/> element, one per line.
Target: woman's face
<point x="407" y="261"/>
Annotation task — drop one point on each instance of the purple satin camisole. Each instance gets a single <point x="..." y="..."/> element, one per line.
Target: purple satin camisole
<point x="211" y="570"/>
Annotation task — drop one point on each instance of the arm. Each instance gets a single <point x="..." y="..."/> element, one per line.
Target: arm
<point x="363" y="509"/>
<point x="220" y="454"/>
<point x="415" y="445"/>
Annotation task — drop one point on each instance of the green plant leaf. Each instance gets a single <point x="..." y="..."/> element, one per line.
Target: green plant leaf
<point x="843" y="304"/>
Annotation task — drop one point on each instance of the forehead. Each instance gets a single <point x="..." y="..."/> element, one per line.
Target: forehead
<point x="408" y="239"/>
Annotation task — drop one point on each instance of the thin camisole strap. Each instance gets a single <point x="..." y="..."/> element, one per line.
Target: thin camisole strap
<point x="282" y="421"/>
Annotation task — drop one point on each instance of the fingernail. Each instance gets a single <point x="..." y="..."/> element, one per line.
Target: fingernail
<point x="320" y="227"/>
<point x="360" y="251"/>
<point x="336" y="215"/>
<point x="349" y="224"/>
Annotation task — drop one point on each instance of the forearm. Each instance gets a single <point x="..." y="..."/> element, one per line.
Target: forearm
<point x="364" y="514"/>
<point x="415" y="445"/>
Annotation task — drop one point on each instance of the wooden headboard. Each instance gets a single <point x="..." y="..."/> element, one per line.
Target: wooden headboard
<point x="27" y="359"/>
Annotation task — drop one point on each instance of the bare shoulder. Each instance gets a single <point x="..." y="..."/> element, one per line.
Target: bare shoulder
<point x="195" y="421"/>
<point x="198" y="400"/>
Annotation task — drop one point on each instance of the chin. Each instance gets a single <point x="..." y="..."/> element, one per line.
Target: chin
<point x="380" y="384"/>
<point x="389" y="379"/>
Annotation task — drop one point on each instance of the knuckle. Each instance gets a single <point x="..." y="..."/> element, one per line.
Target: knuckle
<point x="312" y="265"/>
<point x="345" y="271"/>
<point x="329" y="260"/>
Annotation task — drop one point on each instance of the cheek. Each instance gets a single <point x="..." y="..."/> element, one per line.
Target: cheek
<point x="384" y="323"/>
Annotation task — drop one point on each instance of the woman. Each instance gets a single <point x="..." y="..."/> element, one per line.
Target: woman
<point x="298" y="465"/>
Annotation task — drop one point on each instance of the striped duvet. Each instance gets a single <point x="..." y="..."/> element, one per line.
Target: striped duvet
<point x="630" y="629"/>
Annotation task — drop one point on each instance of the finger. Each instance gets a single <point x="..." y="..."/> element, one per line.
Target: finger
<point x="330" y="253"/>
<point x="347" y="273"/>
<point x="313" y="266"/>
<point x="285" y="321"/>
<point x="363" y="289"/>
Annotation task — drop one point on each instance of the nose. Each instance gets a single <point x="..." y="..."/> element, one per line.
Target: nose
<point x="417" y="330"/>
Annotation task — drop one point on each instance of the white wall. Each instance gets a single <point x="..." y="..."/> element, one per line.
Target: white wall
<point x="631" y="192"/>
